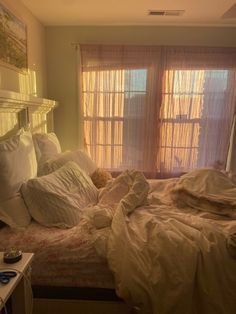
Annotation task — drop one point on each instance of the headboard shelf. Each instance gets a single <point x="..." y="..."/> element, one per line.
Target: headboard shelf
<point x="11" y="99"/>
<point x="20" y="109"/>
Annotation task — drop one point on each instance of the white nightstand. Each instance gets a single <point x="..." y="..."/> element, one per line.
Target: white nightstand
<point x="18" y="287"/>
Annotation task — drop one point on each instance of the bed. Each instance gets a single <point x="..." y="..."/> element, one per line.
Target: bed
<point x="163" y="246"/>
<point x="89" y="278"/>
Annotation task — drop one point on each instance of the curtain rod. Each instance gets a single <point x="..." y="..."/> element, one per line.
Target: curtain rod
<point x="80" y="43"/>
<point x="76" y="44"/>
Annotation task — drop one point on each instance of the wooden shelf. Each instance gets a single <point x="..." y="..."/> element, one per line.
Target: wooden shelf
<point x="9" y="99"/>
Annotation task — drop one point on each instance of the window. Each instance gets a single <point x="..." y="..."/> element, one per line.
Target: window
<point x="193" y="108"/>
<point x="160" y="110"/>
<point x="114" y="109"/>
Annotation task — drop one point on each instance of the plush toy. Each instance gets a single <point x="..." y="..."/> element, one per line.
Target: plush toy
<point x="100" y="177"/>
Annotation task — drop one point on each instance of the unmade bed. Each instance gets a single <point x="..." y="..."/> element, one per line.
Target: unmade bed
<point x="154" y="242"/>
<point x="164" y="246"/>
<point x="175" y="253"/>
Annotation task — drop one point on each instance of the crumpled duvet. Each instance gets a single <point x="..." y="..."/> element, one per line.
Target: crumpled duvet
<point x="207" y="190"/>
<point x="166" y="260"/>
<point x="130" y="189"/>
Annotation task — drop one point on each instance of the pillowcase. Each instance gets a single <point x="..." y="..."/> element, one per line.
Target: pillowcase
<point x="46" y="145"/>
<point x="80" y="157"/>
<point x="17" y="163"/>
<point x="100" y="177"/>
<point x="57" y="199"/>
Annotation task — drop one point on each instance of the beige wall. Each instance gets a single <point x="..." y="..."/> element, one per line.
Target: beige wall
<point x="33" y="81"/>
<point x="62" y="69"/>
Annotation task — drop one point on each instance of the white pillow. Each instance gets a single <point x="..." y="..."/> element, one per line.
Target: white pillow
<point x="46" y="145"/>
<point x="14" y="213"/>
<point x="58" y="199"/>
<point x="80" y="157"/>
<point x="17" y="163"/>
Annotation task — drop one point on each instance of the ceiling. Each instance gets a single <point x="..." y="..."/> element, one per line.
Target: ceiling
<point x="133" y="12"/>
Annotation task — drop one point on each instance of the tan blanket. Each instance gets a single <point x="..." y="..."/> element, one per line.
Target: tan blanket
<point x="166" y="260"/>
<point x="207" y="190"/>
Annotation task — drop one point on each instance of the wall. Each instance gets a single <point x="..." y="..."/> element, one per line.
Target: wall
<point x="62" y="67"/>
<point x="33" y="81"/>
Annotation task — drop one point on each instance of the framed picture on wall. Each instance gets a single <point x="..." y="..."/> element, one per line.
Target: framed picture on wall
<point x="13" y="40"/>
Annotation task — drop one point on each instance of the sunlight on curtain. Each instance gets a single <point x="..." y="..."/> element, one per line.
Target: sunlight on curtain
<point x="182" y="105"/>
<point x="114" y="104"/>
<point x="231" y="160"/>
<point x="196" y="120"/>
<point x="103" y="96"/>
<point x="160" y="110"/>
<point x="118" y="110"/>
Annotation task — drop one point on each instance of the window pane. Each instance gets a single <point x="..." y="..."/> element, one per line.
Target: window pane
<point x="192" y="110"/>
<point x="114" y="106"/>
<point x="135" y="80"/>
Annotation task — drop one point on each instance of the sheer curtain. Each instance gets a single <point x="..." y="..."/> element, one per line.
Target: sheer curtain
<point x="231" y="160"/>
<point x="198" y="107"/>
<point x="161" y="110"/>
<point x="120" y="107"/>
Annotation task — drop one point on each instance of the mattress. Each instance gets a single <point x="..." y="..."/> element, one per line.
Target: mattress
<point x="63" y="257"/>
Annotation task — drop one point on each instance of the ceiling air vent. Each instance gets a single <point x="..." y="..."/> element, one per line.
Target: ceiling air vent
<point x="166" y="12"/>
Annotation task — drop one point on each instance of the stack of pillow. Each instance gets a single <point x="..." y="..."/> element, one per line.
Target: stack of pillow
<point x="18" y="164"/>
<point x="38" y="180"/>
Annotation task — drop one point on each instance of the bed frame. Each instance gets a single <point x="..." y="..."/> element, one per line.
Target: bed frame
<point x="19" y="110"/>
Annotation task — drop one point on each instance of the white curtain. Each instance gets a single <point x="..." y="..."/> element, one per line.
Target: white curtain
<point x="231" y="160"/>
<point x="119" y="88"/>
<point x="198" y="105"/>
<point x="161" y="110"/>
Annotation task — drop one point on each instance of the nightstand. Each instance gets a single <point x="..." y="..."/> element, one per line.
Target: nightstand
<point x="18" y="287"/>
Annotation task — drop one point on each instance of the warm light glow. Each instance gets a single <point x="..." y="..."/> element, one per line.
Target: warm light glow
<point x="184" y="110"/>
<point x="8" y="122"/>
<point x="27" y="83"/>
<point x="103" y="115"/>
<point x="115" y="104"/>
<point x="39" y="123"/>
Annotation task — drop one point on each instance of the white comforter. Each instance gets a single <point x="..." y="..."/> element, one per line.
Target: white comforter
<point x="166" y="259"/>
